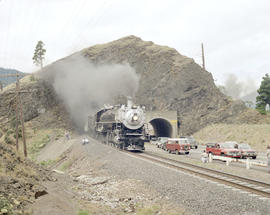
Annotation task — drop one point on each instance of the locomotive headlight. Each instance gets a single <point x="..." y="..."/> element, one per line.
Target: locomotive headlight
<point x="135" y="118"/>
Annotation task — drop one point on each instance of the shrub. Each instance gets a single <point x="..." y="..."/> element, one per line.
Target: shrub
<point x="5" y="206"/>
<point x="82" y="212"/>
<point x="8" y="140"/>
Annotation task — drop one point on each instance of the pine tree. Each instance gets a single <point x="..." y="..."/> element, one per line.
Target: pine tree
<point x="264" y="95"/>
<point x="39" y="54"/>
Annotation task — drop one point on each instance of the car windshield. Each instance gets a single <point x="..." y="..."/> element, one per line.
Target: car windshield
<point x="184" y="141"/>
<point x="190" y="139"/>
<point x="244" y="146"/>
<point x="229" y="145"/>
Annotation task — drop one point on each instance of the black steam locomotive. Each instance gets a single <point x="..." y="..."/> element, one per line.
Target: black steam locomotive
<point x="122" y="126"/>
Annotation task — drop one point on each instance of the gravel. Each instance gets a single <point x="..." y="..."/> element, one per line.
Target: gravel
<point x="196" y="195"/>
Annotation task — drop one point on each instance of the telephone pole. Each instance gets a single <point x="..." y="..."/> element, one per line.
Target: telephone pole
<point x="203" y="61"/>
<point x="19" y="113"/>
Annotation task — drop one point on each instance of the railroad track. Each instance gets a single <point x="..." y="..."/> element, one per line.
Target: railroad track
<point x="246" y="184"/>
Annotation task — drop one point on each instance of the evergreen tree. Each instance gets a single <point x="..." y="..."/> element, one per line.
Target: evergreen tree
<point x="264" y="95"/>
<point x="39" y="54"/>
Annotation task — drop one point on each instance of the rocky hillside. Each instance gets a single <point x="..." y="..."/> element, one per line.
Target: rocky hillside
<point x="168" y="81"/>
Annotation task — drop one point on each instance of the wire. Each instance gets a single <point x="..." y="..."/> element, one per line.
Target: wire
<point x="7" y="37"/>
<point x="75" y="13"/>
<point x="90" y="22"/>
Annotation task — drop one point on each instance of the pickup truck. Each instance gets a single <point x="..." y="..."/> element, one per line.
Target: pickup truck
<point x="223" y="149"/>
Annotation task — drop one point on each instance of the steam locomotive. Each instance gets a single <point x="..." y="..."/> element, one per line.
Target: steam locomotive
<point x="122" y="126"/>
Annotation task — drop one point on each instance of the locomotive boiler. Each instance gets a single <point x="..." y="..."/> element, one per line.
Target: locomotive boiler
<point x="122" y="126"/>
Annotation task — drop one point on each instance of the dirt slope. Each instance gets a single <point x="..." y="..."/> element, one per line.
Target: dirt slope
<point x="257" y="135"/>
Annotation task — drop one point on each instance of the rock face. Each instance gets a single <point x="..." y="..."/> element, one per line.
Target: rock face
<point x="169" y="81"/>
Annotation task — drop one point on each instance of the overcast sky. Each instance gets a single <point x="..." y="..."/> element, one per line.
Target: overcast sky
<point x="235" y="33"/>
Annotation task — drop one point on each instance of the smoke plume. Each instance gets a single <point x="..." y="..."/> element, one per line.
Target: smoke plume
<point x="85" y="87"/>
<point x="240" y="89"/>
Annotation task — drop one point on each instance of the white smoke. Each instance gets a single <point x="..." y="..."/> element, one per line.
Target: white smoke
<point x="85" y="87"/>
<point x="239" y="89"/>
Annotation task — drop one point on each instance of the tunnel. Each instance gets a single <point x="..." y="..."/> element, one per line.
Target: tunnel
<point x="162" y="127"/>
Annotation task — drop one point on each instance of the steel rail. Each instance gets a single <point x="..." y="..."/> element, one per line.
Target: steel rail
<point x="236" y="177"/>
<point x="204" y="172"/>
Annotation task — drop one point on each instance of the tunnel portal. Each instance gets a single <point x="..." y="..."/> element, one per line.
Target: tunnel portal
<point x="162" y="127"/>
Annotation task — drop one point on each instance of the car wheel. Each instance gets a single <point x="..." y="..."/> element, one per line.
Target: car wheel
<point x="196" y="147"/>
<point x="254" y="157"/>
<point x="187" y="153"/>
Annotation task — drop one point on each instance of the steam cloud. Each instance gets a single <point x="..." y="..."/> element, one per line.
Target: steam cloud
<point x="85" y="87"/>
<point x="237" y="89"/>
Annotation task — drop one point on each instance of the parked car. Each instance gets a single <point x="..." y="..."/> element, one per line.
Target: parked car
<point x="153" y="140"/>
<point x="247" y="151"/>
<point x="161" y="142"/>
<point x="193" y="143"/>
<point x="223" y="149"/>
<point x="178" y="146"/>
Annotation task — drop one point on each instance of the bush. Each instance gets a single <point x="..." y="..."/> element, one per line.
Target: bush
<point x="19" y="133"/>
<point x="9" y="132"/>
<point x="8" y="140"/>
<point x="5" y="206"/>
<point x="32" y="78"/>
<point x="82" y="212"/>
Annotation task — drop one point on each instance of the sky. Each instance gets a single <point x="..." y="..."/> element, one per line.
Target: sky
<point x="235" y="33"/>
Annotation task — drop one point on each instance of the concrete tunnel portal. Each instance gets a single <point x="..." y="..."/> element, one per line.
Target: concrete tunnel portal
<point x="161" y="127"/>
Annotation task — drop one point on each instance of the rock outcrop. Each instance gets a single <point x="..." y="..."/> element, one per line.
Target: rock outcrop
<point x="169" y="81"/>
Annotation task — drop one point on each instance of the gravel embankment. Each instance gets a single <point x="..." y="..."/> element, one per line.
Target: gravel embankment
<point x="194" y="194"/>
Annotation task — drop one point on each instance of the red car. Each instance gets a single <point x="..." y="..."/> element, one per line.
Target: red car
<point x="178" y="145"/>
<point x="223" y="149"/>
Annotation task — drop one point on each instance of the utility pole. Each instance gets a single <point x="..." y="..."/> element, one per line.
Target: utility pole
<point x="19" y="113"/>
<point x="203" y="61"/>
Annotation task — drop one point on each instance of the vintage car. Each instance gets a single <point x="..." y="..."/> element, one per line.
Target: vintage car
<point x="178" y="146"/>
<point x="247" y="151"/>
<point x="193" y="143"/>
<point x="223" y="149"/>
<point x="161" y="142"/>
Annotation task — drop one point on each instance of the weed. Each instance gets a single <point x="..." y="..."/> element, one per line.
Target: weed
<point x="47" y="163"/>
<point x="32" y="78"/>
<point x="8" y="140"/>
<point x="154" y="209"/>
<point x="5" y="206"/>
<point x="66" y="165"/>
<point x="38" y="145"/>
<point x="83" y="212"/>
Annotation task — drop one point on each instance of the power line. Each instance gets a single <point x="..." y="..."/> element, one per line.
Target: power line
<point x="7" y="36"/>
<point x="19" y="113"/>
<point x="91" y="22"/>
<point x="24" y="29"/>
<point x="75" y="12"/>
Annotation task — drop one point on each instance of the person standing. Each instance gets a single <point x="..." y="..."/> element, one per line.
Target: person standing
<point x="204" y="157"/>
<point x="268" y="158"/>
